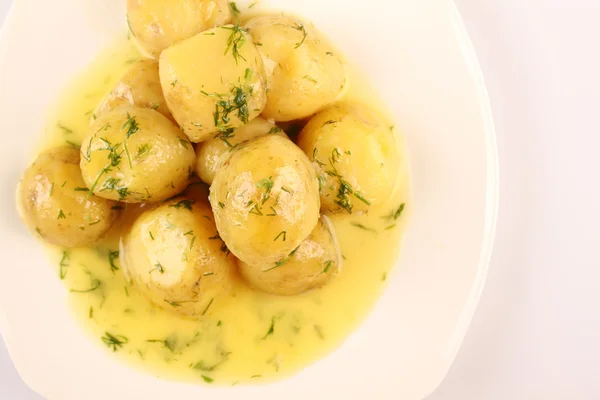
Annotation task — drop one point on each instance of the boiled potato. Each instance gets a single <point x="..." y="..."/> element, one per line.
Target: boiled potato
<point x="174" y="256"/>
<point x="139" y="86"/>
<point x="210" y="153"/>
<point x="355" y="155"/>
<point x="305" y="73"/>
<point x="266" y="200"/>
<point x="311" y="265"/>
<point x="54" y="202"/>
<point x="213" y="82"/>
<point x="136" y="155"/>
<point x="158" y="24"/>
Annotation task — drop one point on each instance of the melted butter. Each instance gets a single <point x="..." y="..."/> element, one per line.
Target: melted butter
<point x="249" y="336"/>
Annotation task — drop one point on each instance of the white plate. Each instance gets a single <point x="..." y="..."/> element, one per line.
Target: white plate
<point x="418" y="56"/>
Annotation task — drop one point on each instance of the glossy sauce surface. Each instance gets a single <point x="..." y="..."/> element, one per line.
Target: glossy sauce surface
<point x="249" y="336"/>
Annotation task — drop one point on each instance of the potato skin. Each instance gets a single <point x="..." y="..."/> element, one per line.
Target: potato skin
<point x="174" y="256"/>
<point x="265" y="198"/>
<point x="209" y="154"/>
<point x="305" y="73"/>
<point x="213" y="82"/>
<point x="139" y="86"/>
<point x="355" y="155"/>
<point x="314" y="263"/>
<point x="158" y="24"/>
<point x="136" y="155"/>
<point x="55" y="204"/>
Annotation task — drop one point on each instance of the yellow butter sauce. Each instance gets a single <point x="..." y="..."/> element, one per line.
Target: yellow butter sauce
<point x="249" y="336"/>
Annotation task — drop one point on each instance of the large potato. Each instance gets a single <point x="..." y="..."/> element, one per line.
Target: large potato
<point x="305" y="73"/>
<point x="54" y="202"/>
<point x="210" y="154"/>
<point x="266" y="200"/>
<point x="213" y="82"/>
<point x="311" y="265"/>
<point x="174" y="256"/>
<point x="139" y="86"/>
<point x="136" y="155"/>
<point x="355" y="155"/>
<point x="157" y="24"/>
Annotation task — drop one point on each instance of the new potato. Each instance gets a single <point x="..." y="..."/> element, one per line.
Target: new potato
<point x="213" y="82"/>
<point x="55" y="203"/>
<point x="174" y="256"/>
<point x="356" y="157"/>
<point x="312" y="265"/>
<point x="212" y="153"/>
<point x="265" y="198"/>
<point x="304" y="72"/>
<point x="158" y="24"/>
<point x="136" y="155"/>
<point x="139" y="86"/>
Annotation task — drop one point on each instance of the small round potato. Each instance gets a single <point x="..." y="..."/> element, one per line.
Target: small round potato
<point x="54" y="202"/>
<point x="311" y="265"/>
<point x="139" y="86"/>
<point x="213" y="82"/>
<point x="356" y="157"/>
<point x="158" y="24"/>
<point x="174" y="256"/>
<point x="304" y="72"/>
<point x="266" y="200"/>
<point x="210" y="153"/>
<point x="136" y="155"/>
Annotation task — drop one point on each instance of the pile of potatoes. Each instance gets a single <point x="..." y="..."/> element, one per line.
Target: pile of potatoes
<point x="207" y="104"/>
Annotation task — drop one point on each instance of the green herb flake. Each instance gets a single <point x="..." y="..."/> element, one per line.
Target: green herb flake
<point x="186" y="204"/>
<point x="184" y="143"/>
<point x="362" y="198"/>
<point x="66" y="131"/>
<point x="143" y="151"/>
<point x="271" y="330"/>
<point x="328" y="266"/>
<point x="310" y="78"/>
<point x="394" y="215"/>
<point x="248" y="74"/>
<point x="208" y="306"/>
<point x="266" y="184"/>
<point x="234" y="9"/>
<point x="151" y="235"/>
<point x="361" y="226"/>
<point x="114" y="341"/>
<point x="300" y="27"/>
<point x="61" y="215"/>
<point x="64" y="263"/>
<point x="158" y="267"/>
<point x="169" y="343"/>
<point x="235" y="41"/>
<point x="95" y="284"/>
<point x="207" y="379"/>
<point x="282" y="233"/>
<point x="283" y="261"/>
<point x="112" y="257"/>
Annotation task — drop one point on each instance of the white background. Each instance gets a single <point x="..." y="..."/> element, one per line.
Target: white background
<point x="536" y="333"/>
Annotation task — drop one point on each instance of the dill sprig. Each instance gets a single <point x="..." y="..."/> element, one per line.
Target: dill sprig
<point x="236" y="41"/>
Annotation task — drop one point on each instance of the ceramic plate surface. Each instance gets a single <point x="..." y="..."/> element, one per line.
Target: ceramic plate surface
<point x="416" y="53"/>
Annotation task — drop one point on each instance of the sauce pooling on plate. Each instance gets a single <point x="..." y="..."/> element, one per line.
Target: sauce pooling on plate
<point x="275" y="264"/>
